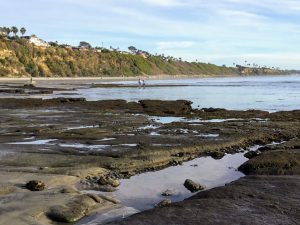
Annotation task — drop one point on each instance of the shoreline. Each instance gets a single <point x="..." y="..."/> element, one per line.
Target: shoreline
<point x="147" y="77"/>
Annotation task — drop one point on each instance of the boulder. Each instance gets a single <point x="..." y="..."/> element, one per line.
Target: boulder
<point x="193" y="186"/>
<point x="36" y="185"/>
<point x="217" y="155"/>
<point x="164" y="203"/>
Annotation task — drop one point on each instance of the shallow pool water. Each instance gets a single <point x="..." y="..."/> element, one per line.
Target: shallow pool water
<point x="36" y="142"/>
<point x="143" y="191"/>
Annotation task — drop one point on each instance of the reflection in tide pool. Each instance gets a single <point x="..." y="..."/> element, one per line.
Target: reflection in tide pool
<point x="143" y="191"/>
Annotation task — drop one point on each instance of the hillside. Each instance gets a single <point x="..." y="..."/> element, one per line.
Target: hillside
<point x="19" y="58"/>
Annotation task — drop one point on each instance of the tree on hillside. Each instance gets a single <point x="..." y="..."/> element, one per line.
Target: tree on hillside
<point x="14" y="30"/>
<point x="2" y="31"/>
<point x="23" y="30"/>
<point x="6" y="30"/>
<point x="132" y="49"/>
<point x="84" y="44"/>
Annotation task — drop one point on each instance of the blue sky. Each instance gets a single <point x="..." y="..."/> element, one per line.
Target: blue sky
<point x="266" y="32"/>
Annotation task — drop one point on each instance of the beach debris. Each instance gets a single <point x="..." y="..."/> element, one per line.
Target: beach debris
<point x="36" y="185"/>
<point x="193" y="186"/>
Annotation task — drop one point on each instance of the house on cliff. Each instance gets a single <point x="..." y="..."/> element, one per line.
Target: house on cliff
<point x="36" y="41"/>
<point x="144" y="54"/>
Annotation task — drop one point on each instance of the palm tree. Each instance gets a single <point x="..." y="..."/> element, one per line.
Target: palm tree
<point x="23" y="30"/>
<point x="14" y="30"/>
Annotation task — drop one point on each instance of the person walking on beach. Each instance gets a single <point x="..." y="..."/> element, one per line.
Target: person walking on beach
<point x="140" y="82"/>
<point x="143" y="83"/>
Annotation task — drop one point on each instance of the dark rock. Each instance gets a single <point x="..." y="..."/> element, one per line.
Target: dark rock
<point x="36" y="185"/>
<point x="193" y="186"/>
<point x="217" y="155"/>
<point x="251" y="154"/>
<point x="164" y="203"/>
<point x="157" y="107"/>
<point x="65" y="100"/>
<point x="276" y="162"/>
<point x="213" y="109"/>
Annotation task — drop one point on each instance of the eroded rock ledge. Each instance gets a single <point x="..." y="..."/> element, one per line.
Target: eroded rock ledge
<point x="74" y="132"/>
<point x="253" y="200"/>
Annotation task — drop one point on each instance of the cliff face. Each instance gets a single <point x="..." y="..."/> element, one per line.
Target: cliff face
<point x="261" y="71"/>
<point x="21" y="58"/>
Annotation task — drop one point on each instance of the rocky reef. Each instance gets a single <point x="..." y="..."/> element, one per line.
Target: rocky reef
<point x="70" y="145"/>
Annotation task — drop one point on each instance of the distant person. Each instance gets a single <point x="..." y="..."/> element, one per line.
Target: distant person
<point x="143" y="83"/>
<point x="140" y="82"/>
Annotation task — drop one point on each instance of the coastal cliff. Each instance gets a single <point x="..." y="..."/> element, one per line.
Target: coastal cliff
<point x="20" y="58"/>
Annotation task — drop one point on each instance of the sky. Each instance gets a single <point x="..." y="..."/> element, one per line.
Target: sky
<point x="265" y="32"/>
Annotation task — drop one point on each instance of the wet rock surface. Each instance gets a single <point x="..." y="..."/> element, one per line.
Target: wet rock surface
<point x="255" y="199"/>
<point x="75" y="137"/>
<point x="277" y="162"/>
<point x="74" y="210"/>
<point x="192" y="186"/>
